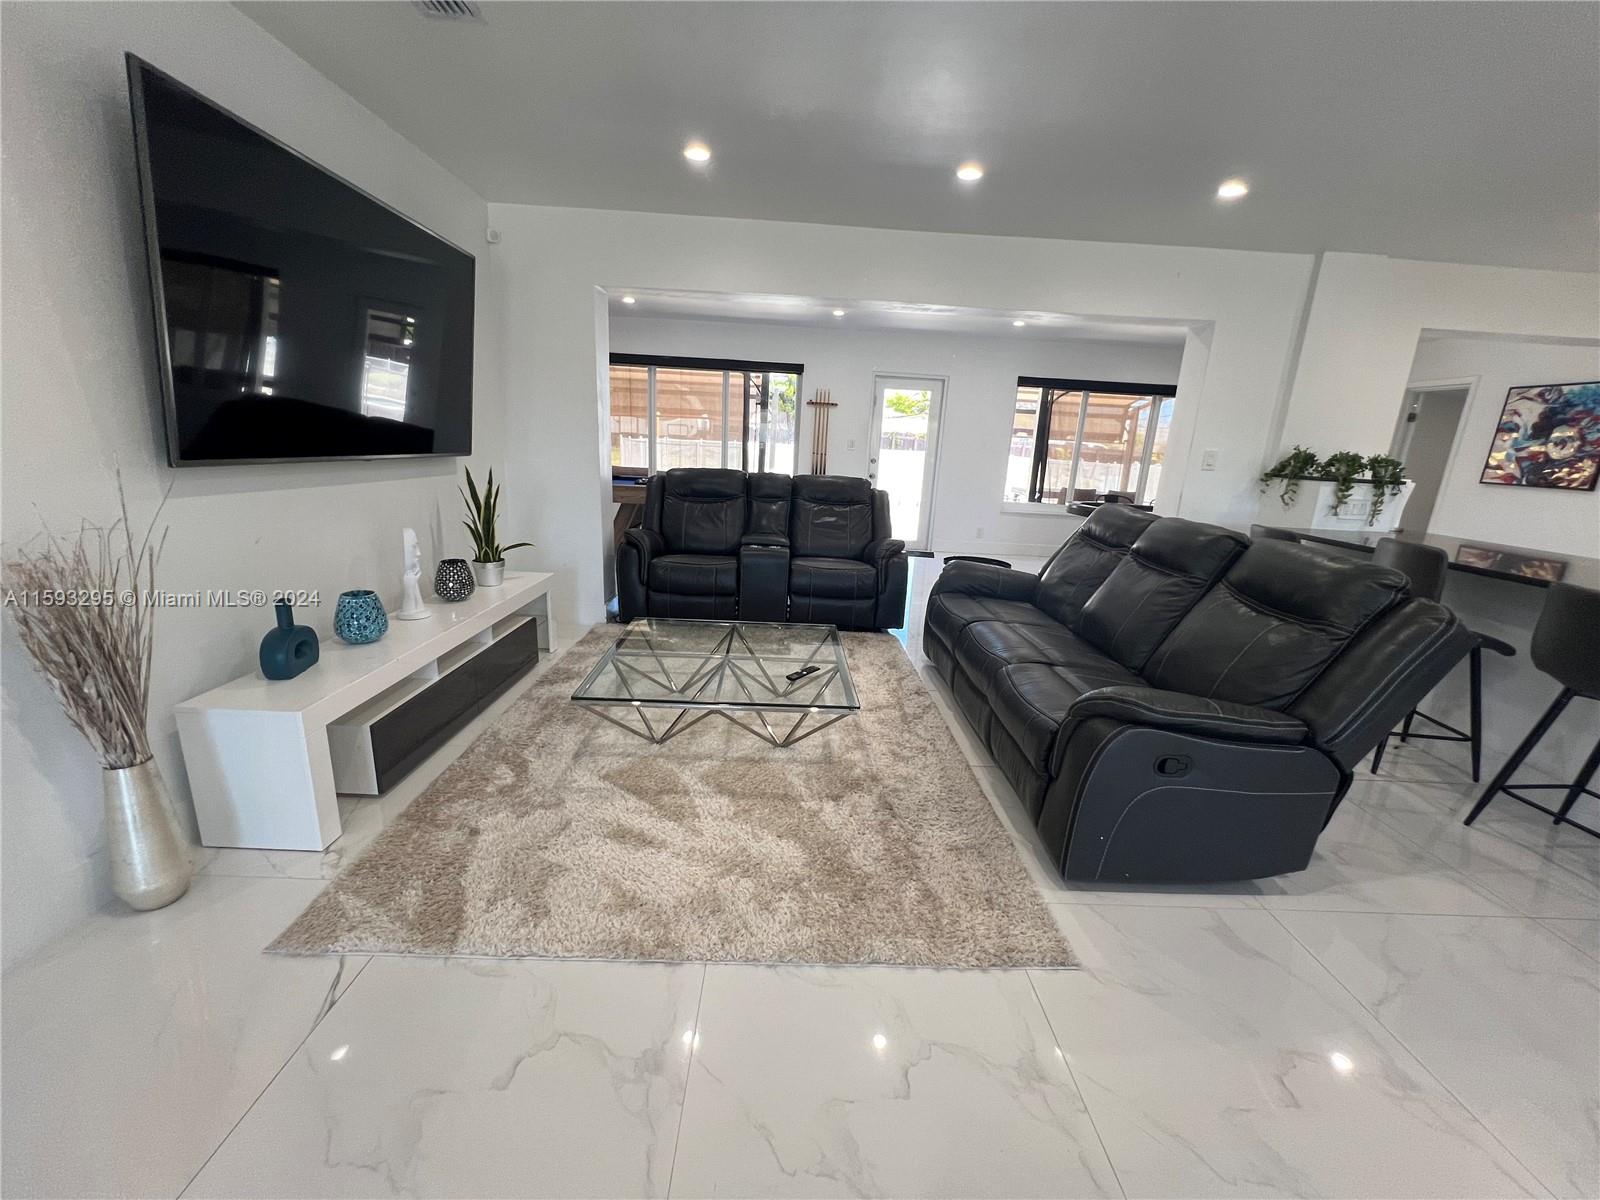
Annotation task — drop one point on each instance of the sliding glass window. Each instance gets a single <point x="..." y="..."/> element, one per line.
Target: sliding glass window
<point x="1077" y="439"/>
<point x="671" y="412"/>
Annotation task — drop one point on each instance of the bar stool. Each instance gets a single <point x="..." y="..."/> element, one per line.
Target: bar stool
<point x="1425" y="567"/>
<point x="1566" y="646"/>
<point x="1257" y="532"/>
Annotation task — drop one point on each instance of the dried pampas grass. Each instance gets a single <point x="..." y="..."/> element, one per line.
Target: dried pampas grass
<point x="82" y="609"/>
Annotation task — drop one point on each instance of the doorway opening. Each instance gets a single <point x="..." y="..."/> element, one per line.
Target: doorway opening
<point x="1424" y="440"/>
<point x="904" y="451"/>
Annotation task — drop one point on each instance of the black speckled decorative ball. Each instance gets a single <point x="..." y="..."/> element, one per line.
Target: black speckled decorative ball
<point x="453" y="580"/>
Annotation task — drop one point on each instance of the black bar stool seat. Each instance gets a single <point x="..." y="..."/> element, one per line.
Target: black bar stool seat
<point x="1425" y="567"/>
<point x="1566" y="647"/>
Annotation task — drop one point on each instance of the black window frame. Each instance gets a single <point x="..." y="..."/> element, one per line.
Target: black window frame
<point x="1049" y="389"/>
<point x="761" y="369"/>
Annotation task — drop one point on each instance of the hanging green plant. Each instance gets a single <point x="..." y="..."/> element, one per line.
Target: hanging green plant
<point x="1342" y="468"/>
<point x="1294" y="466"/>
<point x="1387" y="476"/>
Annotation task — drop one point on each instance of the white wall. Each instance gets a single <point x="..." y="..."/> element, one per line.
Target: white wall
<point x="1367" y="314"/>
<point x="551" y="261"/>
<point x="1542" y="518"/>
<point x="80" y="398"/>
<point x="974" y="426"/>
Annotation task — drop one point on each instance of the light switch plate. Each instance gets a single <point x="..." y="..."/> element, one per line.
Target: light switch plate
<point x="1208" y="461"/>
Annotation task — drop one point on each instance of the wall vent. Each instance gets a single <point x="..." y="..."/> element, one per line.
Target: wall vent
<point x="450" y="10"/>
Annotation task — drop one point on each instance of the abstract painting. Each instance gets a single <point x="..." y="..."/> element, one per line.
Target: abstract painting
<point x="1548" y="436"/>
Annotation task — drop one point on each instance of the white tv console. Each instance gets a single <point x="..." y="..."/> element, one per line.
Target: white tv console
<point x="266" y="758"/>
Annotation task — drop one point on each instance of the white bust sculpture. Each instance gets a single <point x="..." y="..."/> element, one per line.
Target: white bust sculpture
<point x="411" y="605"/>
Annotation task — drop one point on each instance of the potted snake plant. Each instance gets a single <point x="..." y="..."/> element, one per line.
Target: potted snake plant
<point x="483" y="515"/>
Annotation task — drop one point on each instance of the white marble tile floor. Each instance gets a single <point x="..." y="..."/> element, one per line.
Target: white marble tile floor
<point x="1415" y="1015"/>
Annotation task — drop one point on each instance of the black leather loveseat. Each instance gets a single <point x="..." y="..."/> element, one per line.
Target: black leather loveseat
<point x="1174" y="703"/>
<point x="718" y="544"/>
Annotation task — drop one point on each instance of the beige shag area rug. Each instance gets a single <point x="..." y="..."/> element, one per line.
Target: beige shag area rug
<point x="558" y="835"/>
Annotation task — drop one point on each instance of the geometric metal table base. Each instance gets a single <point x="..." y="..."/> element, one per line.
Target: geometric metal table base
<point x="678" y="724"/>
<point x="676" y="705"/>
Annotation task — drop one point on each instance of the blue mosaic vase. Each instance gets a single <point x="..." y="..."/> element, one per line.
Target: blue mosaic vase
<point x="359" y="617"/>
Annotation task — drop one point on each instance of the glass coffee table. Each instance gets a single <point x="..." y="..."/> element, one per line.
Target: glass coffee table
<point x="780" y="682"/>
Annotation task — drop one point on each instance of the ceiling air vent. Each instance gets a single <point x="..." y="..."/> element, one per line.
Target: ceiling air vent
<point x="450" y="10"/>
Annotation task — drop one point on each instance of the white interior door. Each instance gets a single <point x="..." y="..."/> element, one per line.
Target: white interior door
<point x="905" y="438"/>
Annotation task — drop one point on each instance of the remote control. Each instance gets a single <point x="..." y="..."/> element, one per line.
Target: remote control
<point x="796" y="676"/>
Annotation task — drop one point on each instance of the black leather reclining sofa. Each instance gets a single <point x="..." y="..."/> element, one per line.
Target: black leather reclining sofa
<point x="1176" y="704"/>
<point x="718" y="544"/>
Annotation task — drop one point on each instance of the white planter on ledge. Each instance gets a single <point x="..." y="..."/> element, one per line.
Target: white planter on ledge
<point x="1313" y="507"/>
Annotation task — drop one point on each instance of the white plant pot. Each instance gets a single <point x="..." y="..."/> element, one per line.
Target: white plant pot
<point x="490" y="574"/>
<point x="1313" y="508"/>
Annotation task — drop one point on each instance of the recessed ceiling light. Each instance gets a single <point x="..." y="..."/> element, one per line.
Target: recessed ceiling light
<point x="1019" y="324"/>
<point x="969" y="172"/>
<point x="697" y="152"/>
<point x="629" y="300"/>
<point x="838" y="312"/>
<point x="1232" y="189"/>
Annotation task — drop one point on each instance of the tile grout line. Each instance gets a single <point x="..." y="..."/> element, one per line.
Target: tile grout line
<point x="1422" y="848"/>
<point x="1088" y="1111"/>
<point x="1102" y="902"/>
<point x="1385" y="912"/>
<point x="1588" y="953"/>
<point x="688" y="1075"/>
<point x="1463" y="791"/>
<point x="336" y="998"/>
<point x="1484" y="888"/>
<point x="1464" y="788"/>
<point x="1401" y="1042"/>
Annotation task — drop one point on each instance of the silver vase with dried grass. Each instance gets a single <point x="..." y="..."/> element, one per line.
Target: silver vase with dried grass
<point x="82" y="611"/>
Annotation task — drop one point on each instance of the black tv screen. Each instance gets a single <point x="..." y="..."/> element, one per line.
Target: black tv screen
<point x="297" y="317"/>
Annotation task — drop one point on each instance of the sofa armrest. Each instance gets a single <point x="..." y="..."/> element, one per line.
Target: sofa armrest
<point x="888" y="556"/>
<point x="1183" y="713"/>
<point x="644" y="544"/>
<point x="634" y="552"/>
<point x="765" y="539"/>
<point x="981" y="579"/>
<point x="1381" y="676"/>
<point x="879" y="553"/>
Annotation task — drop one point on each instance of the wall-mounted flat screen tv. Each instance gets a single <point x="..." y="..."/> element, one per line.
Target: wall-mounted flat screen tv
<point x="297" y="318"/>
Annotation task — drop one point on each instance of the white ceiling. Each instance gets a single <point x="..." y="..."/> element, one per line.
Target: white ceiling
<point x="1449" y="131"/>
<point x="883" y="314"/>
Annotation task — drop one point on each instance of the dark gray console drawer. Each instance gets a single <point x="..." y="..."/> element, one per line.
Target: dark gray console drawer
<point x="404" y="735"/>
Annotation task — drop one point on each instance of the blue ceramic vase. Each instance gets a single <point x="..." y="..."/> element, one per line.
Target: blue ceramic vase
<point x="359" y="617"/>
<point x="289" y="649"/>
